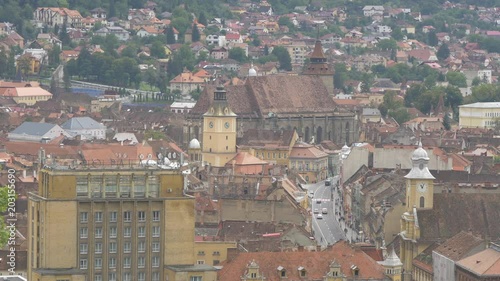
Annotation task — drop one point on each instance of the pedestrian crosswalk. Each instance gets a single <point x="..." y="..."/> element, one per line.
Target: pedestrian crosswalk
<point x="323" y="199"/>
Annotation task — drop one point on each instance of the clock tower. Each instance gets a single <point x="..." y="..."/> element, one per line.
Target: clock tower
<point x="219" y="131"/>
<point x="419" y="196"/>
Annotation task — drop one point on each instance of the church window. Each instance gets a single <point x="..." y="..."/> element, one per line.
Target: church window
<point x="210" y="137"/>
<point x="226" y="137"/>
<point x="227" y="147"/>
<point x="253" y="275"/>
<point x="422" y="202"/>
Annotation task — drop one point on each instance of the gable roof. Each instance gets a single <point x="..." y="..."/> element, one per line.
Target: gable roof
<point x="33" y="128"/>
<point x="82" y="123"/>
<point x="245" y="158"/>
<point x="455" y="212"/>
<point x="266" y="138"/>
<point x="484" y="263"/>
<point x="276" y="94"/>
<point x="316" y="264"/>
<point x="459" y="245"/>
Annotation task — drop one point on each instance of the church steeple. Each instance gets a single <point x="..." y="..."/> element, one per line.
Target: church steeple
<point x="420" y="185"/>
<point x="319" y="66"/>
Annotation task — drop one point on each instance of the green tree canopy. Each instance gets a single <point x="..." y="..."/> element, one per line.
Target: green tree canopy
<point x="238" y="54"/>
<point x="158" y="50"/>
<point x="443" y="52"/>
<point x="456" y="79"/>
<point x="195" y="36"/>
<point x="283" y="56"/>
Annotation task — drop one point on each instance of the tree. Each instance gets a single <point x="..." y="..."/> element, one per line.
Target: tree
<point x="63" y="35"/>
<point x="476" y="81"/>
<point x="54" y="55"/>
<point x="456" y="79"/>
<point x="283" y="56"/>
<point x="196" y="34"/>
<point x="24" y="66"/>
<point x="387" y="44"/>
<point x="443" y="52"/>
<point x="158" y="50"/>
<point x="446" y="122"/>
<point x="266" y="50"/>
<point x="237" y="54"/>
<point x="340" y="76"/>
<point x="202" y="18"/>
<point x="397" y="34"/>
<point x="401" y="115"/>
<point x="170" y="35"/>
<point x="383" y="110"/>
<point x="4" y="201"/>
<point x="432" y="38"/>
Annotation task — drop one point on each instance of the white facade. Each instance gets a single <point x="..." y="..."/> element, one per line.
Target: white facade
<point x="85" y="127"/>
<point x="369" y="11"/>
<point x="484" y="75"/>
<point x="443" y="267"/>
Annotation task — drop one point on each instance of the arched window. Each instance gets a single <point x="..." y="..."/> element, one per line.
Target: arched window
<point x="422" y="202"/>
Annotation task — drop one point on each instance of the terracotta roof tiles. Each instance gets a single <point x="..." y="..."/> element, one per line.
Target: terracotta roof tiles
<point x="315" y="264"/>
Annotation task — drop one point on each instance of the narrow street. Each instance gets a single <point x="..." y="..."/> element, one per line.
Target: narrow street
<point x="328" y="227"/>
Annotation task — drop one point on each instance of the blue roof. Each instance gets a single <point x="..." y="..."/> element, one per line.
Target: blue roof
<point x="82" y="123"/>
<point x="33" y="128"/>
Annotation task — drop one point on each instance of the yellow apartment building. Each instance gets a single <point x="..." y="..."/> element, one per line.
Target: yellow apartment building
<point x="26" y="95"/>
<point x="479" y="115"/>
<point x="114" y="222"/>
<point x="310" y="162"/>
<point x="212" y="252"/>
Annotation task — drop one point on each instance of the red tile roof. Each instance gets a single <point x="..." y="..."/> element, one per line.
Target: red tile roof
<point x="315" y="264"/>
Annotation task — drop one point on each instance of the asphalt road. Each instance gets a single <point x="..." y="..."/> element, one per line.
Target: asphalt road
<point x="328" y="229"/>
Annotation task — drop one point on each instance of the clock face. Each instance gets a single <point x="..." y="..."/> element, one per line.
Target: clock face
<point x="211" y="124"/>
<point x="226" y="125"/>
<point x="422" y="187"/>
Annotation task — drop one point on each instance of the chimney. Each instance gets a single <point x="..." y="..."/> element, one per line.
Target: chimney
<point x="232" y="253"/>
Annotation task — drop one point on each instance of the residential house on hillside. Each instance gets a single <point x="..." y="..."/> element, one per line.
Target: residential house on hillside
<point x="119" y="32"/>
<point x="369" y="11"/>
<point x="186" y="82"/>
<point x="219" y="53"/>
<point x="52" y="16"/>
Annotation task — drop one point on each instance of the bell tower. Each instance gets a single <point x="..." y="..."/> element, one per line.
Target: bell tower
<point x="419" y="182"/>
<point x="419" y="196"/>
<point x="219" y="131"/>
<point x="318" y="66"/>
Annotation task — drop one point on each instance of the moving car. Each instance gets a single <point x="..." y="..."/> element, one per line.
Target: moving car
<point x="328" y="182"/>
<point x="324" y="211"/>
<point x="319" y="216"/>
<point x="316" y="211"/>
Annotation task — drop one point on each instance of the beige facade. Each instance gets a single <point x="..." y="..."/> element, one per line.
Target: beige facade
<point x="112" y="223"/>
<point x="209" y="252"/>
<point x="219" y="131"/>
<point x="479" y="115"/>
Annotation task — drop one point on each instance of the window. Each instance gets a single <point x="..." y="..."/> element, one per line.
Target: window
<point x="84" y="217"/>
<point x="113" y="216"/>
<point x="356" y="272"/>
<point x="127" y="231"/>
<point x="127" y="216"/>
<point x="110" y="186"/>
<point x="98" y="217"/>
<point x="98" y="248"/>
<point x="112" y="232"/>
<point x="216" y="253"/>
<point x="201" y="253"/>
<point x="141" y="246"/>
<point x="155" y="276"/>
<point x="141" y="216"/>
<point x="156" y="231"/>
<point x="95" y="186"/>
<point x="98" y="232"/>
<point x="83" y="264"/>
<point x="139" y="186"/>
<point x="126" y="262"/>
<point x="127" y="247"/>
<point x="112" y="276"/>
<point x="422" y="202"/>
<point x="195" y="278"/>
<point x="141" y="276"/>
<point x="153" y="186"/>
<point x="156" y="215"/>
<point x="127" y="276"/>
<point x="112" y="263"/>
<point x="141" y="262"/>
<point x="253" y="275"/>
<point x="216" y="262"/>
<point x="83" y="248"/>
<point x="112" y="247"/>
<point x="98" y="263"/>
<point x="82" y="186"/>
<point x="155" y="246"/>
<point x="83" y="232"/>
<point x="155" y="261"/>
<point x="302" y="273"/>
<point x="97" y="277"/>
<point x="200" y="262"/>
<point x="141" y="231"/>
<point x="125" y="184"/>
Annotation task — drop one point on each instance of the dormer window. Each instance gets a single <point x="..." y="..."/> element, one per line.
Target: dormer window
<point x="281" y="271"/>
<point x="355" y="270"/>
<point x="302" y="272"/>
